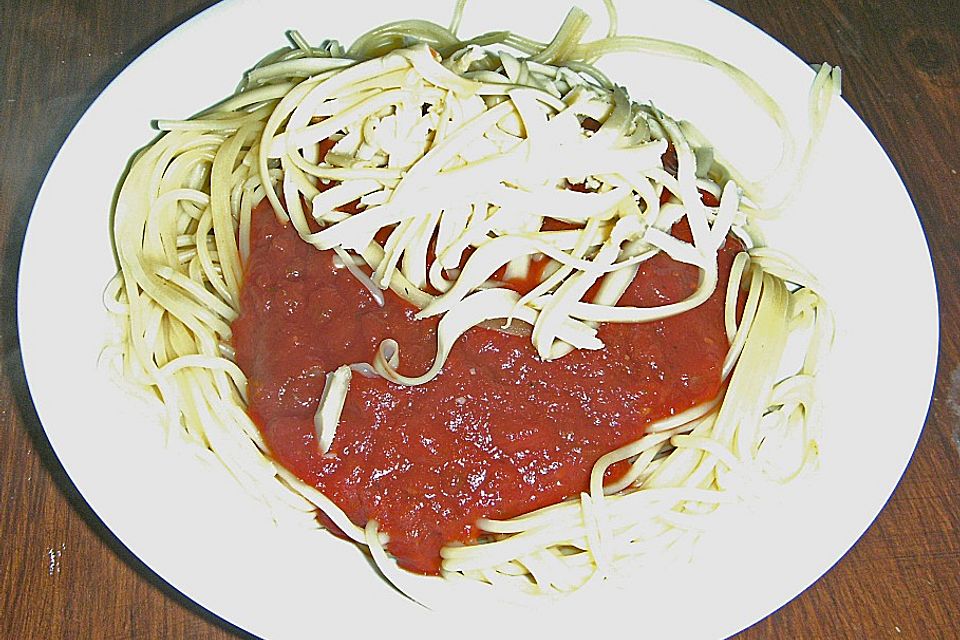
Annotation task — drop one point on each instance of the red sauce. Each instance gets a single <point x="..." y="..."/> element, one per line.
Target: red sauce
<point x="496" y="434"/>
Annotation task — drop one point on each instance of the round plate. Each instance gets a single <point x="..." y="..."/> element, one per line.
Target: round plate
<point x="852" y="224"/>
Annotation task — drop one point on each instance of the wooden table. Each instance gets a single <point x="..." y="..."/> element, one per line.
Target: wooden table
<point x="64" y="575"/>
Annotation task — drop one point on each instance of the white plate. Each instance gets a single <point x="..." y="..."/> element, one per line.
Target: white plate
<point x="853" y="224"/>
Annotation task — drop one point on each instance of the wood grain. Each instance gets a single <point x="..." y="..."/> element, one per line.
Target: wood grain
<point x="64" y="575"/>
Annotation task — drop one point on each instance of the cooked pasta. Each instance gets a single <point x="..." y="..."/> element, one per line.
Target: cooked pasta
<point x="429" y="165"/>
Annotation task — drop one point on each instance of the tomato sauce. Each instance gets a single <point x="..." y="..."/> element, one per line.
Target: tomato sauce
<point x="498" y="433"/>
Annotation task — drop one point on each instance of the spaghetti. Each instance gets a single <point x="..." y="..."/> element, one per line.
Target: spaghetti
<point x="439" y="169"/>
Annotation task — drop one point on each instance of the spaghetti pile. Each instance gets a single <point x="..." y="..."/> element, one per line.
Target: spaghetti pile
<point x="429" y="164"/>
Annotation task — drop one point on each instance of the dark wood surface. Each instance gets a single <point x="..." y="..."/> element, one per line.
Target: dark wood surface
<point x="63" y="574"/>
